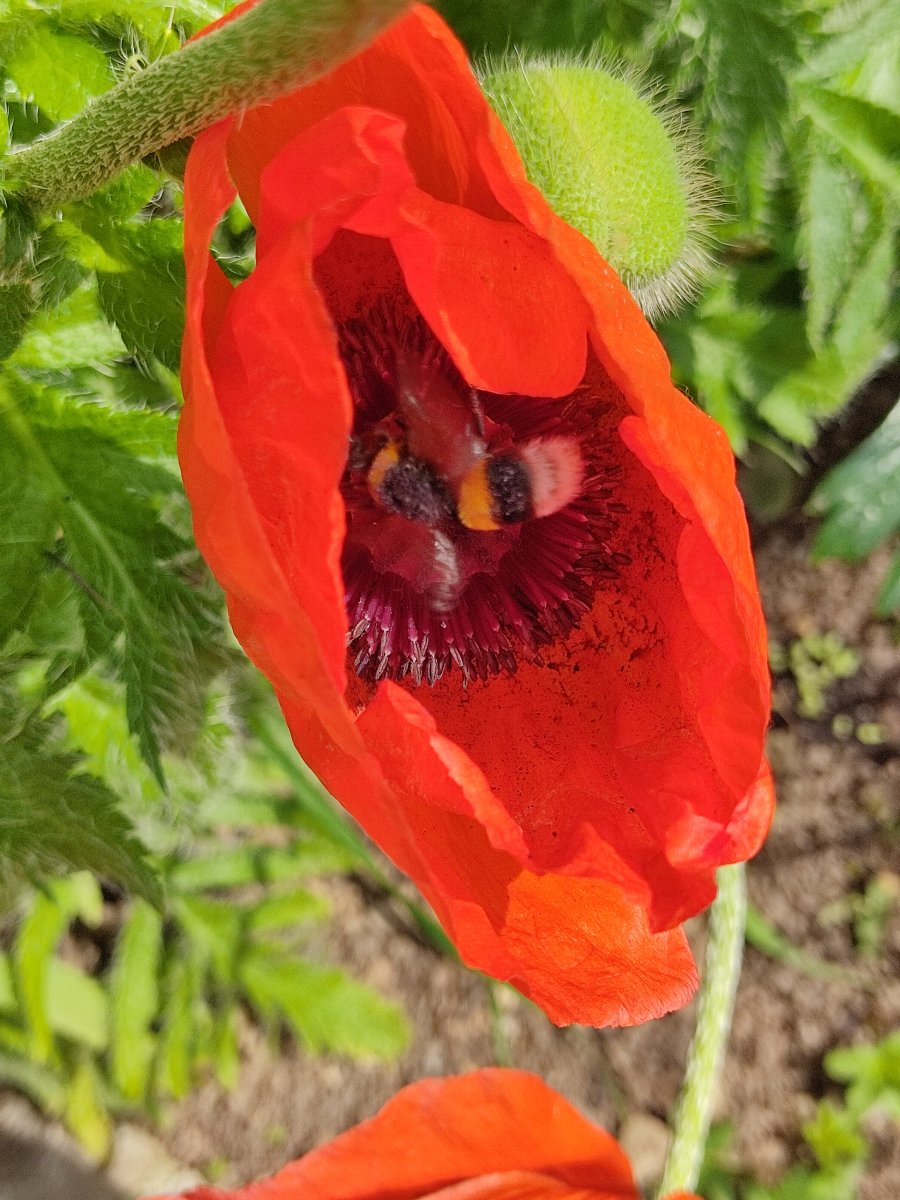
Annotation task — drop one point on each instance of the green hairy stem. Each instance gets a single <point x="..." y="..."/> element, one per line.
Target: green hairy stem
<point x="707" y="1052"/>
<point x="278" y="45"/>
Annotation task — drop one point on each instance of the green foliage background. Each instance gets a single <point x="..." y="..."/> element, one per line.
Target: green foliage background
<point x="144" y="781"/>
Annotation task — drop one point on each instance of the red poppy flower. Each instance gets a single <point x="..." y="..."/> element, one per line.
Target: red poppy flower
<point x="489" y="1135"/>
<point x="493" y="563"/>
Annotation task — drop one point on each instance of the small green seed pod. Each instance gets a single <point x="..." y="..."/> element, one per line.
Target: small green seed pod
<point x="615" y="164"/>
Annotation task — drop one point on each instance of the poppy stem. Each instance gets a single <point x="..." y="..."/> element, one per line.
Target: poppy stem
<point x="724" y="952"/>
<point x="273" y="47"/>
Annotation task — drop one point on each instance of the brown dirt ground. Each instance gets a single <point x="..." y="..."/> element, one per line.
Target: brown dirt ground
<point x="838" y="824"/>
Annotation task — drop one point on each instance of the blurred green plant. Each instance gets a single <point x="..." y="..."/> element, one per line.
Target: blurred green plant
<point x="768" y="939"/>
<point x="868" y="912"/>
<point x="106" y="1006"/>
<point x="835" y="1138"/>
<point x="815" y="662"/>
<point x="860" y="501"/>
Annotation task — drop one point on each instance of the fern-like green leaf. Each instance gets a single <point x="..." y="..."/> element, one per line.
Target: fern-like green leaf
<point x="53" y="815"/>
<point x="135" y="608"/>
<point x="732" y="61"/>
<point x="826" y="237"/>
<point x="867" y="134"/>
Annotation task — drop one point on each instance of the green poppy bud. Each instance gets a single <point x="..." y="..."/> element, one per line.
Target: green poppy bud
<point x="616" y="165"/>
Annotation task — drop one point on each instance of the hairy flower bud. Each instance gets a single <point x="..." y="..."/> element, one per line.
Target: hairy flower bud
<point x="615" y="164"/>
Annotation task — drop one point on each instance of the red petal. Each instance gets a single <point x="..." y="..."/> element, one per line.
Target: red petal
<point x="578" y="947"/>
<point x="489" y="289"/>
<point x="459" y="1138"/>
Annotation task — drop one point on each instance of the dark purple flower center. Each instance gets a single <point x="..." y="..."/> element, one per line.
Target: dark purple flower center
<point x="478" y="524"/>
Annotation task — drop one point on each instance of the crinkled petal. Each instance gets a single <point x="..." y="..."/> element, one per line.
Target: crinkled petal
<point x="459" y="1138"/>
<point x="578" y="947"/>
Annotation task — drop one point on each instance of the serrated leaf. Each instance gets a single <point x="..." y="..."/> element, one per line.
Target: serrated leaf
<point x="35" y="945"/>
<point x="859" y="53"/>
<point x="819" y="386"/>
<point x="150" y="16"/>
<point x="868" y="135"/>
<point x="714" y="358"/>
<point x="242" y="865"/>
<point x="322" y="1006"/>
<point x="56" y="273"/>
<point x="17" y="302"/>
<point x="8" y="1001"/>
<point x="787" y="409"/>
<point x="319" y="810"/>
<point x="826" y="238"/>
<point x="18" y="227"/>
<point x="52" y="816"/>
<point x="85" y="250"/>
<point x="216" y="931"/>
<point x="97" y="726"/>
<point x="33" y="953"/>
<point x="79" y="896"/>
<point x="115" y="544"/>
<point x="27" y="520"/>
<point x="224" y="1047"/>
<point x="244" y="811"/>
<point x="145" y="300"/>
<point x="833" y="1136"/>
<point x="39" y="1083"/>
<point x="134" y="1000"/>
<point x="60" y="73"/>
<point x="866" y="301"/>
<point x="26" y="121"/>
<point x="735" y="60"/>
<point x="873" y="1073"/>
<point x="861" y="496"/>
<point x="123" y="196"/>
<point x="280" y="913"/>
<point x="73" y="334"/>
<point x="54" y="629"/>
<point x="144" y="433"/>
<point x="800" y="1183"/>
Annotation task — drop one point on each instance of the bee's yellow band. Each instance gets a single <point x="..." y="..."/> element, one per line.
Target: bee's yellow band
<point x="475" y="502"/>
<point x="387" y="457"/>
